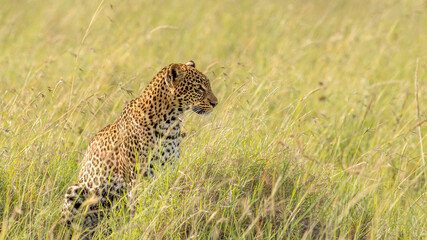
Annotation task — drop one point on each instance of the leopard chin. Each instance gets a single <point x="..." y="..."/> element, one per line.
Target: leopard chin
<point x="201" y="111"/>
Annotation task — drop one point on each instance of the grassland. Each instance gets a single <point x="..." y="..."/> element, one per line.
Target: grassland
<point x="319" y="131"/>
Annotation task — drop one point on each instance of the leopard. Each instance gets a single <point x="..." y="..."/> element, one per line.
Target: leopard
<point x="145" y="137"/>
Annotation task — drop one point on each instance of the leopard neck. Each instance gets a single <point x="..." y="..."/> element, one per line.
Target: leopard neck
<point x="156" y="104"/>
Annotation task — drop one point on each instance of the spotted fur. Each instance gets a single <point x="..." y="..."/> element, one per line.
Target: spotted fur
<point x="146" y="135"/>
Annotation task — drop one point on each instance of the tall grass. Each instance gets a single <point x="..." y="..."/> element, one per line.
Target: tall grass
<point x="319" y="131"/>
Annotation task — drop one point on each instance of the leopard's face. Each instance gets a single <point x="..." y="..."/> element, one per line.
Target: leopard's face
<point x="203" y="98"/>
<point x="193" y="88"/>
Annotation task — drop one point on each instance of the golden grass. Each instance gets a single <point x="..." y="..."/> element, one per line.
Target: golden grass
<point x="319" y="131"/>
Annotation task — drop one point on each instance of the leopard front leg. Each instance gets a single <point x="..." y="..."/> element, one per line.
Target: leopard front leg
<point x="131" y="197"/>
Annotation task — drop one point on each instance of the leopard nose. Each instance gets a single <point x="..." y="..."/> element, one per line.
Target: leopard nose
<point x="213" y="100"/>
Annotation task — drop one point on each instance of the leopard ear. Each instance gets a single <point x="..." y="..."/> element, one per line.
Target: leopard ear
<point x="191" y="64"/>
<point x="174" y="75"/>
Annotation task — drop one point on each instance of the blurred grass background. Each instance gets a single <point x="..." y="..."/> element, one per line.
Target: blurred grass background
<point x="316" y="135"/>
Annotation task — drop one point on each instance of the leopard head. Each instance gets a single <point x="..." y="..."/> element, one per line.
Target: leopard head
<point x="191" y="87"/>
